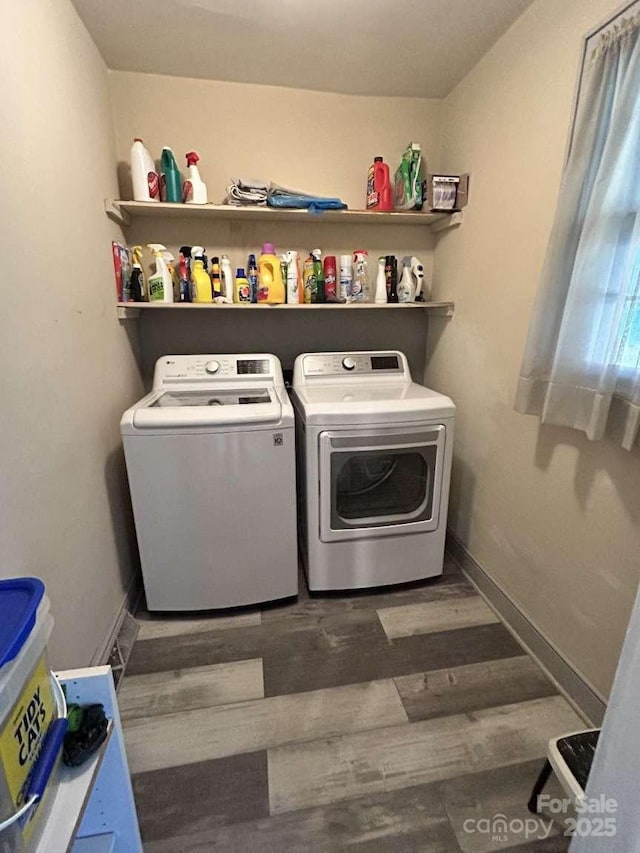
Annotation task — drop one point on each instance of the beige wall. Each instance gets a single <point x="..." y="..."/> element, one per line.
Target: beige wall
<point x="319" y="142"/>
<point x="551" y="517"/>
<point x="68" y="368"/>
<point x="261" y="131"/>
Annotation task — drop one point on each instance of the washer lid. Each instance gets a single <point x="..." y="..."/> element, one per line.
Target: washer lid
<point x="350" y="403"/>
<point x="207" y="407"/>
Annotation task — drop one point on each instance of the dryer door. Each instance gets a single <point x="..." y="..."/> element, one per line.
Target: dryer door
<point x="380" y="482"/>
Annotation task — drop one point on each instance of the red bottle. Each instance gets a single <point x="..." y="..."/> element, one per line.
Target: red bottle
<point x="379" y="189"/>
<point x="330" y="279"/>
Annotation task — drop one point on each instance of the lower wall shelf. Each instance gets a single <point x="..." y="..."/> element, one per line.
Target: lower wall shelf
<point x="131" y="310"/>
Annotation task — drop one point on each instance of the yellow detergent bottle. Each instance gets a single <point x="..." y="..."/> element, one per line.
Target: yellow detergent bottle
<point x="271" y="289"/>
<point x="200" y="281"/>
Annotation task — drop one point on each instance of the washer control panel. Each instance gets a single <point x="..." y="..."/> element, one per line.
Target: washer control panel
<point x="172" y="369"/>
<point x="353" y="364"/>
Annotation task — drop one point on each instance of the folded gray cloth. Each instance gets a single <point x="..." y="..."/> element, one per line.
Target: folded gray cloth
<point x="247" y="192"/>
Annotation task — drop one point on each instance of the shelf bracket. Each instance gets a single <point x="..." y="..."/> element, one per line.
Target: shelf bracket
<point x="450" y="221"/>
<point x="116" y="213"/>
<point x="125" y="313"/>
<point x="446" y="309"/>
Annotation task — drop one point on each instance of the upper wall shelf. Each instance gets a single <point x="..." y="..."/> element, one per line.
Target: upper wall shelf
<point x="124" y="212"/>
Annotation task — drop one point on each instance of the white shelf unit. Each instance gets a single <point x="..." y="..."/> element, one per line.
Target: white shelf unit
<point x="124" y="211"/>
<point x="131" y="310"/>
<point x="93" y="810"/>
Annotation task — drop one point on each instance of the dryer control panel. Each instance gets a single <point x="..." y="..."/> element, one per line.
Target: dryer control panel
<point x="181" y="369"/>
<point x="352" y="364"/>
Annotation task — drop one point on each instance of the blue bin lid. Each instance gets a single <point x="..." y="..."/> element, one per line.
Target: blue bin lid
<point x="19" y="602"/>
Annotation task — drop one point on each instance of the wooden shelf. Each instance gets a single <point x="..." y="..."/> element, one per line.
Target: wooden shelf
<point x="131" y="310"/>
<point x="124" y="212"/>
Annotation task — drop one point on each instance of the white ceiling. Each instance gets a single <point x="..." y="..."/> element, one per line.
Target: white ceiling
<point x="419" y="48"/>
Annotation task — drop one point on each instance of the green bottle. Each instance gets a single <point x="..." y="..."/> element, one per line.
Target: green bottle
<point x="319" y="276"/>
<point x="171" y="179"/>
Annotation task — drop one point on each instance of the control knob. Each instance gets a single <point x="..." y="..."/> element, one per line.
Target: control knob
<point x="212" y="366"/>
<point x="348" y="363"/>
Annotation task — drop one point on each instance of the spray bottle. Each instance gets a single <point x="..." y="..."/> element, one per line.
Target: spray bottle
<point x="160" y="283"/>
<point x="418" y="272"/>
<point x="407" y="285"/>
<point x="194" y="189"/>
<point x="137" y="275"/>
<point x="293" y="278"/>
<point x="227" y="281"/>
<point x="200" y="281"/>
<point x="170" y="261"/>
<point x="381" y="282"/>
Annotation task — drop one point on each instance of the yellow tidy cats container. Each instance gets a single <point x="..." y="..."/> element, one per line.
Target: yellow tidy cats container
<point x="32" y="714"/>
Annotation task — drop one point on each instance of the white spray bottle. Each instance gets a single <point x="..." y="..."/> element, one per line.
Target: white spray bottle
<point x="381" y="283"/>
<point x="418" y="273"/>
<point x="227" y="281"/>
<point x="407" y="284"/>
<point x="160" y="283"/>
<point x="293" y="278"/>
<point x="194" y="189"/>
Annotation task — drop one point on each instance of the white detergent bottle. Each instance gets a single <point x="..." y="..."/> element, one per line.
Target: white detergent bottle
<point x="407" y="286"/>
<point x="227" y="280"/>
<point x="381" y="283"/>
<point x="194" y="189"/>
<point x="160" y="283"/>
<point x="145" y="179"/>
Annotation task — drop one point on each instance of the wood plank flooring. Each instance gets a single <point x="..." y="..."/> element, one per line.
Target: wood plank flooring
<point x="384" y="721"/>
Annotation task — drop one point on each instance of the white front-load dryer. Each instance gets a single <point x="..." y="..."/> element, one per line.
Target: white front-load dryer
<point x="211" y="464"/>
<point x="374" y="461"/>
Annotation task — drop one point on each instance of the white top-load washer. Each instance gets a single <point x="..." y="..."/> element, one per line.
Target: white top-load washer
<point x="374" y="463"/>
<point x="211" y="463"/>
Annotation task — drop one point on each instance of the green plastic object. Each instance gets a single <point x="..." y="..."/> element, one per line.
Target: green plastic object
<point x="409" y="179"/>
<point x="171" y="179"/>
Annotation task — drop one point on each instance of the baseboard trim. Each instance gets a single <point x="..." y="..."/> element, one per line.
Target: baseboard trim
<point x="585" y="699"/>
<point x="127" y="605"/>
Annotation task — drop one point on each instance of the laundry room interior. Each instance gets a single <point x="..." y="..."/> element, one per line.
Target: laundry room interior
<point x="347" y="556"/>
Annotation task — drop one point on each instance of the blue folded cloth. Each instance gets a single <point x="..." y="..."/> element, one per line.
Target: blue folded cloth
<point x="287" y="198"/>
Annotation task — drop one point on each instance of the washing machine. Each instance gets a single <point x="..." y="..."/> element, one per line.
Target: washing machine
<point x="211" y="463"/>
<point x="374" y="461"/>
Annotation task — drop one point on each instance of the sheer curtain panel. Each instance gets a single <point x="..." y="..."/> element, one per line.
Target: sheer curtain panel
<point x="583" y="348"/>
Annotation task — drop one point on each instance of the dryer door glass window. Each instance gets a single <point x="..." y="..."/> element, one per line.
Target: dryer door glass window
<point x="383" y="486"/>
<point x="380" y="479"/>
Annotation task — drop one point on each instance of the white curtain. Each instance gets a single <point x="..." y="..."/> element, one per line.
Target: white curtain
<point x="615" y="774"/>
<point x="583" y="349"/>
